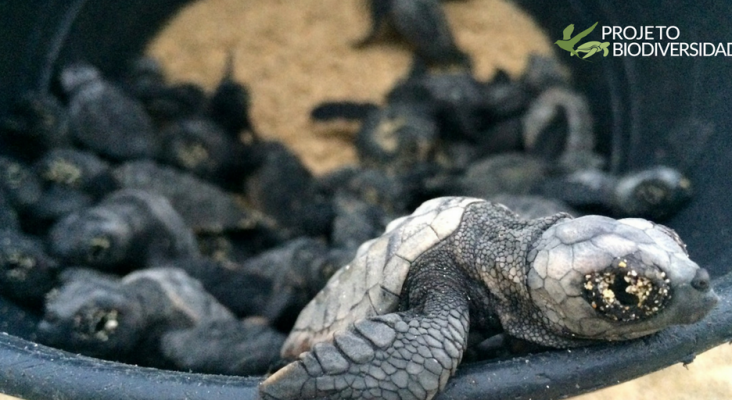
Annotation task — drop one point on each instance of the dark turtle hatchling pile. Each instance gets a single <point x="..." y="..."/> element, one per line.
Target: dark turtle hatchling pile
<point x="148" y="222"/>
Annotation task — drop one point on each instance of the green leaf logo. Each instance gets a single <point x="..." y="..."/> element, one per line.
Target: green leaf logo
<point x="589" y="49"/>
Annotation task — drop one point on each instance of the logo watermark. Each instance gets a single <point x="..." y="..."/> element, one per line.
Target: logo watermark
<point x="588" y="48"/>
<point x="640" y="41"/>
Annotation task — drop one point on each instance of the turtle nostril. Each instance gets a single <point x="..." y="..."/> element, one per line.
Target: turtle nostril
<point x="701" y="280"/>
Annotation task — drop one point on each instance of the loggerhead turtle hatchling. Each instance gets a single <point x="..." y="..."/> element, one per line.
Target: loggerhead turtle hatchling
<point x="394" y="323"/>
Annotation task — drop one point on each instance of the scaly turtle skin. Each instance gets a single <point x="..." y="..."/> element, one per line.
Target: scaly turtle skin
<point x="394" y="323"/>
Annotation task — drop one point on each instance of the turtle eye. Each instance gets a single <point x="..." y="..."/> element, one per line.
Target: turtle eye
<point x="627" y="290"/>
<point x="96" y="323"/>
<point x="98" y="249"/>
<point x="190" y="154"/>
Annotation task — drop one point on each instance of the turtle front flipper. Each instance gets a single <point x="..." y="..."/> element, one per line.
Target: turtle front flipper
<point x="405" y="355"/>
<point x="379" y="10"/>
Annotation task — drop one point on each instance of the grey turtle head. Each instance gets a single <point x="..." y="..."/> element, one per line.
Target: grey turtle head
<point x="603" y="279"/>
<point x="94" y="317"/>
<point x="398" y="136"/>
<point x="75" y="76"/>
<point x="97" y="237"/>
<point x="652" y="193"/>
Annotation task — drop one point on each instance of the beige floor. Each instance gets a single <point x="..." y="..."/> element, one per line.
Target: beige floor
<point x="294" y="54"/>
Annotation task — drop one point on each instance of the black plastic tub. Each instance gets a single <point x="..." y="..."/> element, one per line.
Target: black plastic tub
<point x="638" y="102"/>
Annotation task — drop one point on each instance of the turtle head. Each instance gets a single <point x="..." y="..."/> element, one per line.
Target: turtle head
<point x="98" y="237"/>
<point x="652" y="193"/>
<point x="95" y="316"/>
<point x="603" y="279"/>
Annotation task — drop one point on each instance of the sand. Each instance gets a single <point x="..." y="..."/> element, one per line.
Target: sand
<point x="296" y="54"/>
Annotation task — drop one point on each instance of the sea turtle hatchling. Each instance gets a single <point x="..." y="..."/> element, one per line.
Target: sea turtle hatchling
<point x="394" y="323"/>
